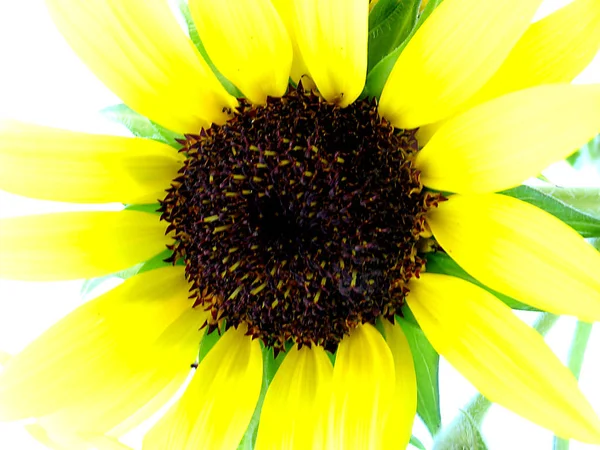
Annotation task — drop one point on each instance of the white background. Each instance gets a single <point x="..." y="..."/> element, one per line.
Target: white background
<point x="42" y="81"/>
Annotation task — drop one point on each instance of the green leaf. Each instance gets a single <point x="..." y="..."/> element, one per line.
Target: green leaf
<point x="91" y="284"/>
<point x="270" y="366"/>
<point x="390" y="22"/>
<point x="588" y="155"/>
<point x="141" y="126"/>
<point x="464" y="435"/>
<point x="442" y="263"/>
<point x="577" y="207"/>
<point x="581" y="338"/>
<point x="426" y="362"/>
<point x="377" y="77"/>
<point x="195" y="37"/>
<point x="415" y="442"/>
<point x="151" y="208"/>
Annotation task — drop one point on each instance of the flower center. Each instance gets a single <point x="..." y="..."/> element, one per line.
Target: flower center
<point x="299" y="219"/>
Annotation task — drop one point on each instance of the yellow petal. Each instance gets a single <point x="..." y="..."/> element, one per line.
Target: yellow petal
<point x="501" y="143"/>
<point x="363" y="378"/>
<point x="139" y="51"/>
<point x="292" y="414"/>
<point x="74" y="442"/>
<point x="451" y="56"/>
<point x="507" y="361"/>
<point x="553" y="50"/>
<point x="68" y="246"/>
<point x="521" y="251"/>
<point x="216" y="408"/>
<point x="332" y="37"/>
<point x="248" y="43"/>
<point x="298" y="71"/>
<point x="65" y="166"/>
<point x="108" y="358"/>
<point x="404" y="402"/>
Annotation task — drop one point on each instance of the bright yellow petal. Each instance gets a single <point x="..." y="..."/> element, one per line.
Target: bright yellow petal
<point x="404" y="403"/>
<point x="451" y="56"/>
<point x="507" y="361"/>
<point x="521" y="251"/>
<point x="139" y="51"/>
<point x="298" y="71"/>
<point x="108" y="358"/>
<point x="248" y="43"/>
<point x="553" y="50"/>
<point x="292" y="415"/>
<point x="332" y="37"/>
<point x="68" y="246"/>
<point x="501" y="143"/>
<point x="363" y="378"/>
<point x="216" y="408"/>
<point x="52" y="164"/>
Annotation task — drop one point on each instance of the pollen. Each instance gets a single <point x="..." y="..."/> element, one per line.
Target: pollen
<point x="299" y="219"/>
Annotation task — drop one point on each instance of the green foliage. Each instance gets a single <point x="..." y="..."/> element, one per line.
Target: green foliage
<point x="464" y="434"/>
<point x="141" y="126"/>
<point x="377" y="77"/>
<point x="195" y="38"/>
<point x="588" y="155"/>
<point x="270" y="366"/>
<point x="151" y="208"/>
<point x="442" y="263"/>
<point x="390" y="22"/>
<point x="577" y="207"/>
<point x="416" y="443"/>
<point x="426" y="362"/>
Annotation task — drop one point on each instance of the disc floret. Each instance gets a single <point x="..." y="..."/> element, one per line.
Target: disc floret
<point x="299" y="219"/>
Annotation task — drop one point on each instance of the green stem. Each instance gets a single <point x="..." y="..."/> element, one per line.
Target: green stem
<point x="583" y="330"/>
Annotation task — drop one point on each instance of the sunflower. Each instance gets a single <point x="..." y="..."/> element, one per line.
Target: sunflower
<point x="296" y="215"/>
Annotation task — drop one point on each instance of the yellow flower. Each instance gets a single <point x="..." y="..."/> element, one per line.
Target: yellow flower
<point x="490" y="96"/>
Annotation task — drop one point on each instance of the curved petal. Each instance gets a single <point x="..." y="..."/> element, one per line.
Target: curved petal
<point x="451" y="56"/>
<point x="67" y="246"/>
<point x="139" y="51"/>
<point x="216" y="408"/>
<point x="95" y="441"/>
<point x="521" y="251"/>
<point x="553" y="50"/>
<point x="507" y="361"/>
<point x="332" y="37"/>
<point x="108" y="358"/>
<point x="248" y="43"/>
<point x="404" y="403"/>
<point x="65" y="166"/>
<point x="363" y="377"/>
<point x="298" y="71"/>
<point x="501" y="143"/>
<point x="292" y="414"/>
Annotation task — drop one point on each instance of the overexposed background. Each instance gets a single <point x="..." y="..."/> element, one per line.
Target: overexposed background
<point x="42" y="81"/>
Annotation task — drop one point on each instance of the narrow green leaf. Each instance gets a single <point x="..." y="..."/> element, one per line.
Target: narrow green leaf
<point x="567" y="204"/>
<point x="270" y="366"/>
<point x="390" y="22"/>
<point x="415" y="442"/>
<point x="195" y="38"/>
<point x="442" y="263"/>
<point x="426" y="362"/>
<point x="581" y="337"/>
<point x="377" y="77"/>
<point x="91" y="284"/>
<point x="151" y="208"/>
<point x="588" y="155"/>
<point x="141" y="126"/>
